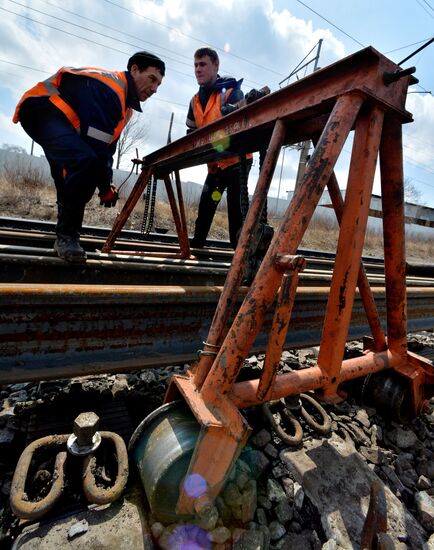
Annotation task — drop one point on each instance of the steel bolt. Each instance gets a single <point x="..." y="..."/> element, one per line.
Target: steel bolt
<point x="85" y="427"/>
<point x="203" y="504"/>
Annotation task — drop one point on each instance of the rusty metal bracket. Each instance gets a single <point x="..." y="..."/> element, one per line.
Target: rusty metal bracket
<point x="374" y="533"/>
<point x="92" y="491"/>
<point x="20" y="505"/>
<point x="24" y="508"/>
<point x="365" y="94"/>
<point x="287" y="426"/>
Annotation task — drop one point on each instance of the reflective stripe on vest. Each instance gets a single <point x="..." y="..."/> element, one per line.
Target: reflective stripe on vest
<point x="212" y="112"/>
<point x="116" y="80"/>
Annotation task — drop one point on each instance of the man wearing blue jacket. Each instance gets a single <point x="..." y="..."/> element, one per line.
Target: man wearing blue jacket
<point x="77" y="116"/>
<point x="217" y="96"/>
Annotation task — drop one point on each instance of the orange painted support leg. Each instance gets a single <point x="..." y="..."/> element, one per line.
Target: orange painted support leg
<point x="279" y="328"/>
<point x="185" y="253"/>
<point x="379" y="338"/>
<point x="350" y="245"/>
<point x="130" y="203"/>
<point x="223" y="434"/>
<point x="181" y="229"/>
<point x="263" y="290"/>
<point x="234" y="278"/>
<point x="392" y="190"/>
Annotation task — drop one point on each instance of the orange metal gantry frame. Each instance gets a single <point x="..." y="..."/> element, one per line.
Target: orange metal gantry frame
<point x="364" y="92"/>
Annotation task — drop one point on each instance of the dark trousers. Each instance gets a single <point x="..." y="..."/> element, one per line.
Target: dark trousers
<point x="215" y="184"/>
<point x="74" y="165"/>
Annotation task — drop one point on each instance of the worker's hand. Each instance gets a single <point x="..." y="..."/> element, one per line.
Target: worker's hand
<point x="110" y="197"/>
<point x="254" y="94"/>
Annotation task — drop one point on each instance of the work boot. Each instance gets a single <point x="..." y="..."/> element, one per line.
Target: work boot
<point x="67" y="244"/>
<point x="69" y="249"/>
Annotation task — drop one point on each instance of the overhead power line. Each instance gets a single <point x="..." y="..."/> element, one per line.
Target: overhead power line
<point x="93" y="31"/>
<point x="429" y="5"/>
<point x="407" y="46"/>
<point x="202" y="41"/>
<point x="328" y="21"/>
<point x="153" y="44"/>
<point x="135" y="46"/>
<point x="424" y="8"/>
<point x="83" y="28"/>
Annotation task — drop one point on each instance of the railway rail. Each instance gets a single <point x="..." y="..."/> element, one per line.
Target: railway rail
<point x="26" y="256"/>
<point x="61" y="320"/>
<point x="62" y="331"/>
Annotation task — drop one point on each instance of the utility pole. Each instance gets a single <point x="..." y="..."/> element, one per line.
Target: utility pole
<point x="305" y="146"/>
<point x="169" y="134"/>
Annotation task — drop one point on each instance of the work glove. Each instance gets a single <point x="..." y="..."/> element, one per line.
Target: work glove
<point x="254" y="94"/>
<point x="110" y="197"/>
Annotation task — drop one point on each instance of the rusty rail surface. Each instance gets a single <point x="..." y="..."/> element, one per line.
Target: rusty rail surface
<point x="61" y="331"/>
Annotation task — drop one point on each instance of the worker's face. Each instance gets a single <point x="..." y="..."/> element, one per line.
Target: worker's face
<point x="205" y="70"/>
<point x="146" y="81"/>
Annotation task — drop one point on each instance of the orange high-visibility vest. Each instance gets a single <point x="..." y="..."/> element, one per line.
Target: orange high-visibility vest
<point x="211" y="113"/>
<point x="116" y="80"/>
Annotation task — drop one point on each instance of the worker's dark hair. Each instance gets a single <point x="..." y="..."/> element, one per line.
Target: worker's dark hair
<point x="212" y="54"/>
<point x="143" y="60"/>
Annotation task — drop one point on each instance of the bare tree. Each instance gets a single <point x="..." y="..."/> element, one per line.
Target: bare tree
<point x="134" y="135"/>
<point x="411" y="193"/>
<point x="14" y="149"/>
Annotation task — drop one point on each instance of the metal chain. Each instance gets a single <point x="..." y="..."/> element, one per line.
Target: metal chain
<point x="152" y="206"/>
<point x="149" y="207"/>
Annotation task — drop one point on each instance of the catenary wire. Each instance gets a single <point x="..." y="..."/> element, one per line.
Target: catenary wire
<point x="194" y="38"/>
<point x="328" y="21"/>
<point x="89" y="29"/>
<point x="429" y="5"/>
<point x="424" y="8"/>
<point x="114" y="29"/>
<point x="96" y="32"/>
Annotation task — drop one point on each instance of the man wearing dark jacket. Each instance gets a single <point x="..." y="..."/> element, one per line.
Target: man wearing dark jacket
<point x="216" y="97"/>
<point x="77" y="116"/>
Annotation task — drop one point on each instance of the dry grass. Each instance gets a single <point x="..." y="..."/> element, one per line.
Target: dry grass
<point x="24" y="193"/>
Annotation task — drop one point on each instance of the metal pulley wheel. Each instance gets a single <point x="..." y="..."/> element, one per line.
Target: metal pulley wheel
<point x="162" y="447"/>
<point x="389" y="393"/>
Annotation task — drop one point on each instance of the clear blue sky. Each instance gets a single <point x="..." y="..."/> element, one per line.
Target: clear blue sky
<point x="260" y="40"/>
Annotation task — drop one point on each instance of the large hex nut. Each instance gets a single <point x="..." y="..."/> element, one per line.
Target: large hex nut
<point x="85" y="427"/>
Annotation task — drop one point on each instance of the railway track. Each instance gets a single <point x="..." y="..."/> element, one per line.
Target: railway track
<point x="27" y="256"/>
<point x="121" y="312"/>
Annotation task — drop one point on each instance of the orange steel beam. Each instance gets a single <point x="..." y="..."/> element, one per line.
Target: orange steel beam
<point x="233" y="282"/>
<point x="130" y="203"/>
<point x="264" y="288"/>
<point x="181" y="228"/>
<point x="366" y="93"/>
<point x="350" y="245"/>
<point x="392" y="190"/>
<point x="301" y="105"/>
<point x="379" y="338"/>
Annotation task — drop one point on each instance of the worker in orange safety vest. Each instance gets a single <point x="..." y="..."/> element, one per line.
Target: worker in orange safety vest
<point x="77" y="116"/>
<point x="217" y="96"/>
